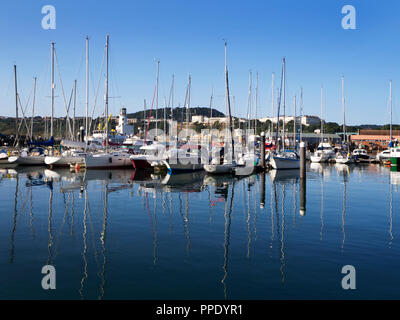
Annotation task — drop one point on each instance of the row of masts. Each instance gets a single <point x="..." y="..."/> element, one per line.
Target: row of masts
<point x="187" y="101"/>
<point x="73" y="96"/>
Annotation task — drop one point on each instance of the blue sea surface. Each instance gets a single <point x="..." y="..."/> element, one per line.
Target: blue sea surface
<point x="122" y="234"/>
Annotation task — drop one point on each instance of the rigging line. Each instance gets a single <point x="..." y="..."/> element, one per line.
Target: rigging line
<point x="63" y="93"/>
<point x="97" y="91"/>
<point x="152" y="105"/>
<point x="23" y="117"/>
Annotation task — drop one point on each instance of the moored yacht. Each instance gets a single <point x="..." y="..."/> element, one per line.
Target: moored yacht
<point x="361" y="155"/>
<point x="286" y="160"/>
<point x="395" y="157"/>
<point x="323" y="153"/>
<point x="344" y="158"/>
<point x="107" y="160"/>
<point x="149" y="156"/>
<point x="29" y="157"/>
<point x="65" y="158"/>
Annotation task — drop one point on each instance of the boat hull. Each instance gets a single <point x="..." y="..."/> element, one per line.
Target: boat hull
<point x="181" y="167"/>
<point x="219" y="168"/>
<point x="344" y="160"/>
<point x="107" y="161"/>
<point x="280" y="163"/>
<point x="141" y="164"/>
<point x="27" y="161"/>
<point x="61" y="161"/>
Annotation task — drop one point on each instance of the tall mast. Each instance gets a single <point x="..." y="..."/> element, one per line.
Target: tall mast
<point x="106" y="93"/>
<point x="158" y="71"/>
<point x="284" y="102"/>
<point x="144" y="118"/>
<point x="255" y="116"/>
<point x="172" y="98"/>
<point x="33" y="106"/>
<point x="188" y="105"/>
<point x="322" y="114"/>
<point x="73" y="119"/>
<point x="272" y="101"/>
<point x="52" y="89"/>
<point x="16" y="105"/>
<point x="211" y="101"/>
<point x="165" y="116"/>
<point x="294" y="122"/>
<point x="249" y="103"/>
<point x="391" y="111"/>
<point x="87" y="87"/>
<point x="228" y="102"/>
<point x="344" y="112"/>
<point x="301" y="114"/>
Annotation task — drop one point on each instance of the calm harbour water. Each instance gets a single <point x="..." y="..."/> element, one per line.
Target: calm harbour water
<point x="117" y="235"/>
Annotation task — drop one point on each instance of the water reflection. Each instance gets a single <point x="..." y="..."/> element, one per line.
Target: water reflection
<point x="170" y="210"/>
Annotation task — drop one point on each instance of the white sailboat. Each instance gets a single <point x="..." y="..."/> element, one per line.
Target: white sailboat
<point x="324" y="150"/>
<point x="287" y="159"/>
<point x="344" y="157"/>
<point x="75" y="153"/>
<point x="107" y="160"/>
<point x="226" y="166"/>
<point x="28" y="157"/>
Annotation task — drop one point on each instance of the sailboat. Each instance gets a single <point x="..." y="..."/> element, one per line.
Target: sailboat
<point x="344" y="156"/>
<point x="105" y="160"/>
<point x="394" y="145"/>
<point x="186" y="158"/>
<point x="287" y="159"/>
<point x="324" y="150"/>
<point x="225" y="166"/>
<point x="28" y="156"/>
<point x="75" y="154"/>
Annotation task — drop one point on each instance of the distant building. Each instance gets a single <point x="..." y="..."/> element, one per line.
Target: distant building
<point x="305" y="120"/>
<point x="123" y="127"/>
<point x="375" y="139"/>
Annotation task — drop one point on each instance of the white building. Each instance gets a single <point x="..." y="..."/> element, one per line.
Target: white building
<point x="123" y="127"/>
<point x="305" y="120"/>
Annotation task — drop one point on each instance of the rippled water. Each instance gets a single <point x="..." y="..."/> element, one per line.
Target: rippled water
<point x="120" y="234"/>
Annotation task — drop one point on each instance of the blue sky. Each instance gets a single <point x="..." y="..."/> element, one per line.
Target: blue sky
<point x="186" y="36"/>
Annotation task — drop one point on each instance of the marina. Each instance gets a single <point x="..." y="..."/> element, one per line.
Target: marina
<point x="117" y="235"/>
<point x="199" y="151"/>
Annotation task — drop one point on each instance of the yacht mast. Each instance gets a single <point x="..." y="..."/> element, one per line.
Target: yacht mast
<point x="106" y="93"/>
<point x="344" y="112"/>
<point x="73" y="119"/>
<point x="256" y="106"/>
<point x="249" y="103"/>
<point x="144" y="118"/>
<point x="33" y="106"/>
<point x="158" y="72"/>
<point x="228" y="102"/>
<point x="284" y="103"/>
<point x="211" y="101"/>
<point x="87" y="87"/>
<point x="16" y="106"/>
<point x="52" y="89"/>
<point x="294" y="122"/>
<point x="188" y="105"/>
<point x="322" y="114"/>
<point x="391" y="111"/>
<point x="272" y="101"/>
<point x="301" y="114"/>
<point x="165" y="117"/>
<point x="171" y="101"/>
